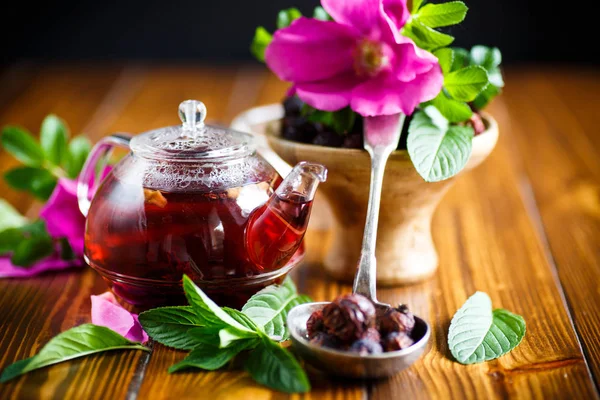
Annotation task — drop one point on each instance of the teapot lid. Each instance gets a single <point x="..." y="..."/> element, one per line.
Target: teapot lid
<point x="193" y="140"/>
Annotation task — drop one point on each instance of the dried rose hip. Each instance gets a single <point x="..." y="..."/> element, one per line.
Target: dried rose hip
<point x="366" y="346"/>
<point x="396" y="320"/>
<point x="325" y="340"/>
<point x="349" y="317"/>
<point x="315" y="325"/>
<point x="372" y="334"/>
<point x="397" y="341"/>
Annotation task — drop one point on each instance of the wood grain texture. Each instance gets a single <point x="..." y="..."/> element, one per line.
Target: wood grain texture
<point x="553" y="122"/>
<point x="487" y="231"/>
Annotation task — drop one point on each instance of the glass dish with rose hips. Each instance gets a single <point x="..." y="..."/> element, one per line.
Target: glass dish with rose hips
<point x="352" y="323"/>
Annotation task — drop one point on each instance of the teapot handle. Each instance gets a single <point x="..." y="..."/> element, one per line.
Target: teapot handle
<point x="89" y="180"/>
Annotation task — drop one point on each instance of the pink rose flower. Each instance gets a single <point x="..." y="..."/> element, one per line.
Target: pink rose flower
<point x="62" y="215"/>
<point x="359" y="60"/>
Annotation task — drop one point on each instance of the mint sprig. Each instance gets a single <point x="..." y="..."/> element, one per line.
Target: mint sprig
<point x="425" y="18"/>
<point x="215" y="335"/>
<point x="479" y="334"/>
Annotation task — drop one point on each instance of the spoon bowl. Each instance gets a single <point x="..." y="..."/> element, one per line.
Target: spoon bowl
<point x="347" y="364"/>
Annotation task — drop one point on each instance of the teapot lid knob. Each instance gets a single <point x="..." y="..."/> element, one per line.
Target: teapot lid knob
<point x="192" y="114"/>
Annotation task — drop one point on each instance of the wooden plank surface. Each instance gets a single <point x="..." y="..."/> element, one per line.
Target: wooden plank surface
<point x="517" y="227"/>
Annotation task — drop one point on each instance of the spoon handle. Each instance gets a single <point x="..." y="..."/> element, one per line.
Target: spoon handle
<point x="381" y="137"/>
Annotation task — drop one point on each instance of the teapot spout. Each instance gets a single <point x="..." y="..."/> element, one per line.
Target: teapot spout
<point x="301" y="184"/>
<point x="275" y="231"/>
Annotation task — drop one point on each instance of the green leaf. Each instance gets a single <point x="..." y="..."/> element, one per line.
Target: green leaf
<point x="286" y="17"/>
<point x="211" y="358"/>
<point x="208" y="335"/>
<point x="22" y="146"/>
<point x="10" y="217"/>
<point x="445" y="14"/>
<point x="416" y="5"/>
<point x="38" y="181"/>
<point x="262" y="38"/>
<point x="10" y="239"/>
<point x="66" y="251"/>
<point x="53" y="138"/>
<point x="477" y="334"/>
<point x="438" y="150"/>
<point x="461" y="58"/>
<point x="320" y="14"/>
<point x="269" y="308"/>
<point x="77" y="342"/>
<point x="171" y="325"/>
<point x="341" y="121"/>
<point x="452" y="110"/>
<point x="271" y="365"/>
<point x="465" y="84"/>
<point x="445" y="58"/>
<point x="33" y="249"/>
<point x="487" y="57"/>
<point x="207" y="310"/>
<point x="425" y="37"/>
<point x="486" y="96"/>
<point x="78" y="151"/>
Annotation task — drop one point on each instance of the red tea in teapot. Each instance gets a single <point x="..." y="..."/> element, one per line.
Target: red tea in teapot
<point x="145" y="240"/>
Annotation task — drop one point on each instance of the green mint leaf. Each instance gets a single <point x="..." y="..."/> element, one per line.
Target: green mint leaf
<point x="269" y="308"/>
<point x="437" y="150"/>
<point x="445" y="58"/>
<point x="487" y="57"/>
<point x="228" y="335"/>
<point x="22" y="146"/>
<point x="271" y="365"/>
<point x="53" y="138"/>
<point x="465" y="84"/>
<point x="461" y="58"/>
<point x="10" y="240"/>
<point x="171" y="326"/>
<point x="31" y="250"/>
<point x="452" y="110"/>
<point x="10" y="217"/>
<point x="416" y="5"/>
<point x="477" y="334"/>
<point x="66" y="251"/>
<point x="343" y="120"/>
<point x="320" y="14"/>
<point x="78" y="151"/>
<point x="207" y="310"/>
<point x="208" y="335"/>
<point x="286" y="17"/>
<point x="211" y="358"/>
<point x="445" y="14"/>
<point x="38" y="181"/>
<point x="77" y="342"/>
<point x="483" y="99"/>
<point x="262" y="38"/>
<point x="425" y="37"/>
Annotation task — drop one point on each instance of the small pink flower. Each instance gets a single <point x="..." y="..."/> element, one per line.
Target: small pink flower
<point x="62" y="216"/>
<point x="106" y="311"/>
<point x="359" y="60"/>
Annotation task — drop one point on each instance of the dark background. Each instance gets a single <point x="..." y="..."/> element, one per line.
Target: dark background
<point x="221" y="31"/>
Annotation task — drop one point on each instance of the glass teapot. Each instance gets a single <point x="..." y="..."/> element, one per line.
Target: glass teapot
<point x="193" y="199"/>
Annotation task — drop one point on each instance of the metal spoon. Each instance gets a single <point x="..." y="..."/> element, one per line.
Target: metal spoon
<point x="381" y="138"/>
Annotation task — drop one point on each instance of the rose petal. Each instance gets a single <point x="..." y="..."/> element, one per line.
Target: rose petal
<point x="395" y="14"/>
<point x="386" y="95"/>
<point x="330" y="95"/>
<point x="62" y="215"/>
<point x="311" y="50"/>
<point x="410" y="60"/>
<point x="52" y="263"/>
<point x="106" y="311"/>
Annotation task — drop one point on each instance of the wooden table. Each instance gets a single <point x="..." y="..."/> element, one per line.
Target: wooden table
<point x="523" y="227"/>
